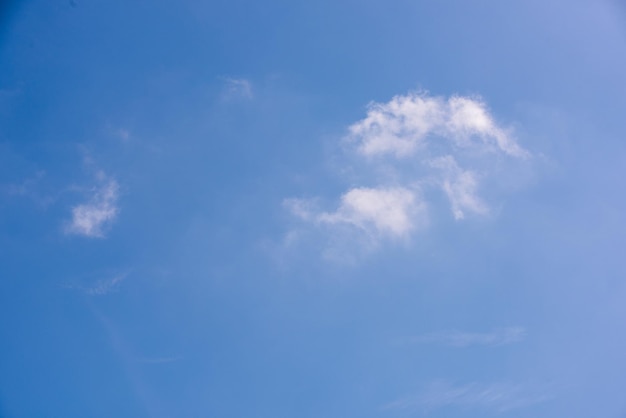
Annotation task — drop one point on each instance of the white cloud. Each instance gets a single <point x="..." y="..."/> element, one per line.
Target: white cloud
<point x="408" y="123"/>
<point x="399" y="126"/>
<point x="497" y="337"/>
<point x="392" y="212"/>
<point x="387" y="211"/>
<point x="90" y="219"/>
<point x="432" y="144"/>
<point x="495" y="397"/>
<point x="470" y="117"/>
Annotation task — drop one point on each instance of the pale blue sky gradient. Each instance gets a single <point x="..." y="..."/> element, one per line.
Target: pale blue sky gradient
<point x="177" y="237"/>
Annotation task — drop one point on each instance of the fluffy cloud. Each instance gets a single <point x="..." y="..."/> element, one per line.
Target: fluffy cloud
<point x="406" y="125"/>
<point x="90" y="219"/>
<point x="398" y="127"/>
<point x="422" y="144"/>
<point x="392" y="212"/>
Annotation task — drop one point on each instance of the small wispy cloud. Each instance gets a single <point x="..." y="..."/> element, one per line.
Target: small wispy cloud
<point x="454" y="338"/>
<point x="237" y="88"/>
<point x="495" y="397"/>
<point x="460" y="186"/>
<point x="123" y="134"/>
<point x="92" y="218"/>
<point x="106" y="286"/>
<point x="412" y="146"/>
<point x="26" y="186"/>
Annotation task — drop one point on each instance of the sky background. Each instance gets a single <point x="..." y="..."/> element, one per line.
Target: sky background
<point x="312" y="209"/>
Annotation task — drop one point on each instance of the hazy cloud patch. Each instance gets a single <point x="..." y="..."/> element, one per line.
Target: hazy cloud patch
<point x="237" y="88"/>
<point x="92" y="218"/>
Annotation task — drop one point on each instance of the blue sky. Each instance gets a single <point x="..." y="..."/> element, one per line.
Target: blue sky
<point x="312" y="209"/>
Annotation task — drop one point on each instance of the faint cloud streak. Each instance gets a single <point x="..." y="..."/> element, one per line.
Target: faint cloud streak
<point x="496" y="397"/>
<point x="159" y="360"/>
<point x="104" y="287"/>
<point x="101" y="287"/>
<point x="497" y="337"/>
